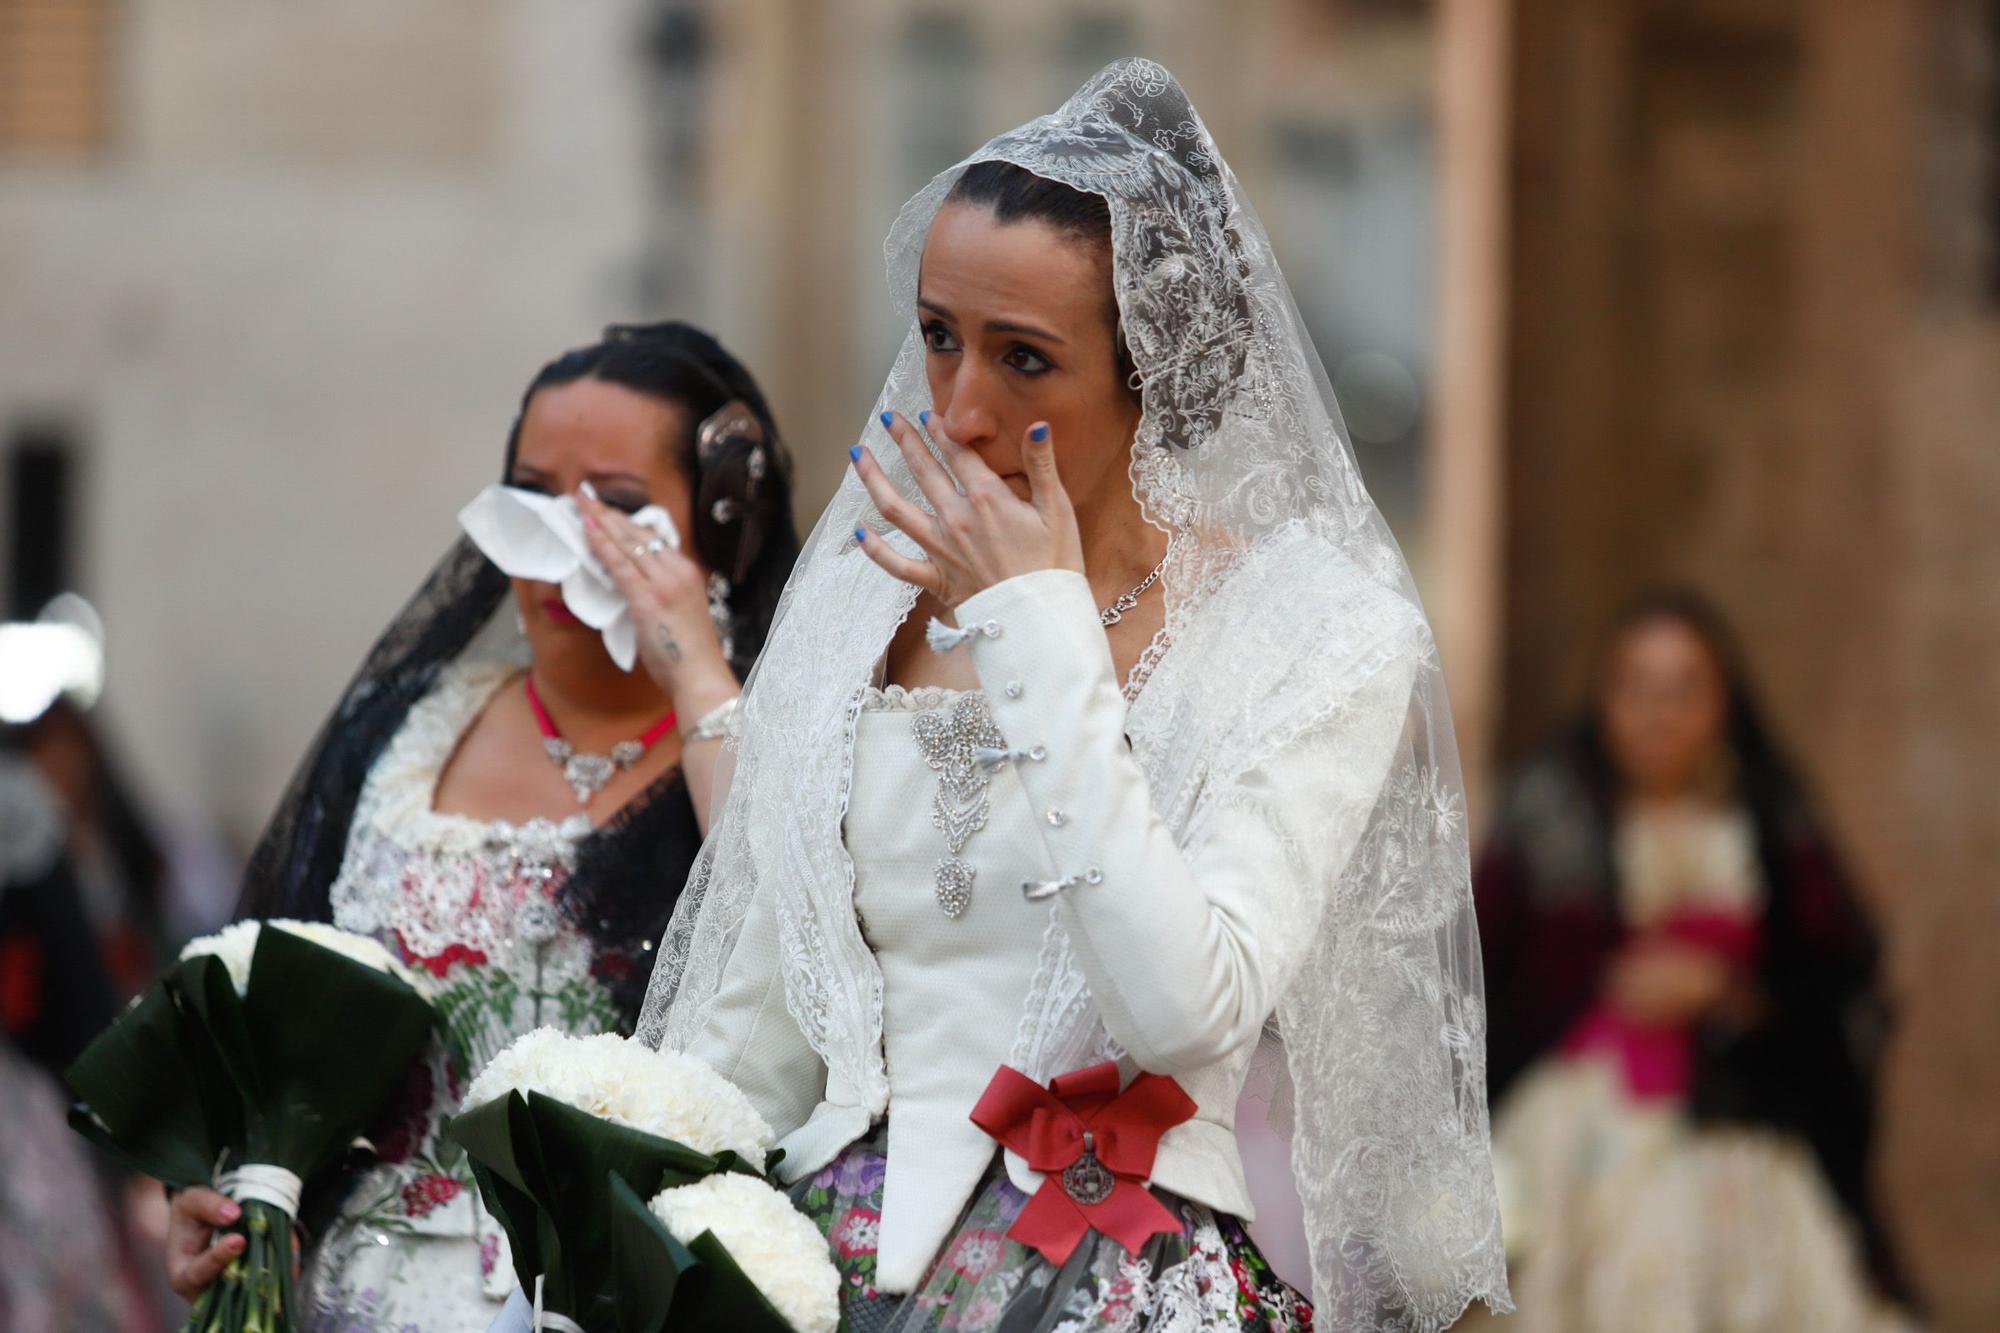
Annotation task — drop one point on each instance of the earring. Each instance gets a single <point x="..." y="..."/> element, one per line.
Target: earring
<point x="520" y="622"/>
<point x="718" y="611"/>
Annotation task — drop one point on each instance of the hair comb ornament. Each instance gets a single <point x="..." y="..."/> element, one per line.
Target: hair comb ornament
<point x="732" y="421"/>
<point x="733" y="424"/>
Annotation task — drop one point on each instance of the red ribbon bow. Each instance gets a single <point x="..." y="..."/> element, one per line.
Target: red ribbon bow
<point x="1094" y="1143"/>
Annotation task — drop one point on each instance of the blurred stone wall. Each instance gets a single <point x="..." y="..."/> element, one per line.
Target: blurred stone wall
<point x="287" y="308"/>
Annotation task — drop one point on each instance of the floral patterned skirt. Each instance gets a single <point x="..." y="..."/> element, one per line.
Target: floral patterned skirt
<point x="1206" y="1276"/>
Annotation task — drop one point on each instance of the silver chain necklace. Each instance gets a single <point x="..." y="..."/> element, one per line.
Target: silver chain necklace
<point x="1125" y="601"/>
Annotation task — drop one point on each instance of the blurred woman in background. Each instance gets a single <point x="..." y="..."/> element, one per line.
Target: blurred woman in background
<point x="121" y="875"/>
<point x="508" y="808"/>
<point x="64" y="1267"/>
<point x="81" y="941"/>
<point x="1684" y="1014"/>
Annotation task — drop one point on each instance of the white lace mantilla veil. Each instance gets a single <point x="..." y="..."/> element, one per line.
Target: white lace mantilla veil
<point x="1285" y="593"/>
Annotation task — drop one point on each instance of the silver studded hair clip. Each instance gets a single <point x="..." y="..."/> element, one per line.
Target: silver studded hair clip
<point x="733" y="421"/>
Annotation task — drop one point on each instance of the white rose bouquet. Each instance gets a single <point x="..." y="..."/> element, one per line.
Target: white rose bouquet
<point x="240" y="1068"/>
<point x="569" y="1136"/>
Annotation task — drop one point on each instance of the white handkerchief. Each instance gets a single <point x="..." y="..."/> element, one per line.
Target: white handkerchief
<point x="534" y="536"/>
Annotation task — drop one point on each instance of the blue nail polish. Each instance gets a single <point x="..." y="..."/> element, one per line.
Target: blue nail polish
<point x="1039" y="432"/>
<point x="925" y="416"/>
<point x="861" y="535"/>
<point x="888" y="420"/>
<point x="854" y="453"/>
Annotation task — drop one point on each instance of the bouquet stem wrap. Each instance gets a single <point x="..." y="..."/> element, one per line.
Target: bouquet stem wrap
<point x="549" y="1319"/>
<point x="264" y="1184"/>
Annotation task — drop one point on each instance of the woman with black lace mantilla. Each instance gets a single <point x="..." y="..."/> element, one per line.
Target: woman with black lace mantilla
<point x="510" y="792"/>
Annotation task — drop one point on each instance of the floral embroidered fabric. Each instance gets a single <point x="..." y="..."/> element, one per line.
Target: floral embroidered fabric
<point x="473" y="904"/>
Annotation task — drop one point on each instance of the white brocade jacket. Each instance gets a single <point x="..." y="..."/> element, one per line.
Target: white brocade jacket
<point x="1168" y="941"/>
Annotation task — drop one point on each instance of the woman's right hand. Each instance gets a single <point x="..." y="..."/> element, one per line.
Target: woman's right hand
<point x="1660" y="985"/>
<point x="667" y="595"/>
<point x="196" y="1256"/>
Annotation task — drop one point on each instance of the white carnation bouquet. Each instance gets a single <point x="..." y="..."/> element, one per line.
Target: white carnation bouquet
<point x="239" y="1069"/>
<point x="569" y="1136"/>
<point x="777" y="1248"/>
<point x="236" y="946"/>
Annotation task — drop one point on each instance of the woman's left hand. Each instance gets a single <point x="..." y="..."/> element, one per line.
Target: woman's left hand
<point x="975" y="537"/>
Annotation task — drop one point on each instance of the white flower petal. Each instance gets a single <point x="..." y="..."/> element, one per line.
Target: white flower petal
<point x="236" y="945"/>
<point x="778" y="1248"/>
<point x="658" y="1092"/>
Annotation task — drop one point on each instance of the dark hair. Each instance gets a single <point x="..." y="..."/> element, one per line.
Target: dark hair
<point x="136" y="854"/>
<point x="1763" y="772"/>
<point x="1766" y="781"/>
<point x="1683" y="606"/>
<point x="741" y="480"/>
<point x="1016" y="194"/>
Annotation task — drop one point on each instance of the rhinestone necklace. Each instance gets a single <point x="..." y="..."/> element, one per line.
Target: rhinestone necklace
<point x="587" y="774"/>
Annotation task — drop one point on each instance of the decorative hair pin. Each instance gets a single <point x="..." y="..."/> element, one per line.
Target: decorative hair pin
<point x="732" y="421"/>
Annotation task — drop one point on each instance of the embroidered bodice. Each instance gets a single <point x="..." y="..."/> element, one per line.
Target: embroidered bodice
<point x="473" y="904"/>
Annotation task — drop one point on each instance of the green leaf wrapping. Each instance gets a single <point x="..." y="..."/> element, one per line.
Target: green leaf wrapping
<point x="719" y="1298"/>
<point x="194" y="1076"/>
<point x="646" y="1262"/>
<point x="664" y="1286"/>
<point x="332" y="1040"/>
<point x="286" y="1074"/>
<point x="153" y="1092"/>
<point x="557" y="1181"/>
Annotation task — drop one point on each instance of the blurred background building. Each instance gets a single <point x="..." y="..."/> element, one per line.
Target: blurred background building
<point x="1612" y="291"/>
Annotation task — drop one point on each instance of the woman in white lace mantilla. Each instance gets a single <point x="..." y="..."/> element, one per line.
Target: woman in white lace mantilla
<point x="1102" y="730"/>
<point x="506" y="804"/>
